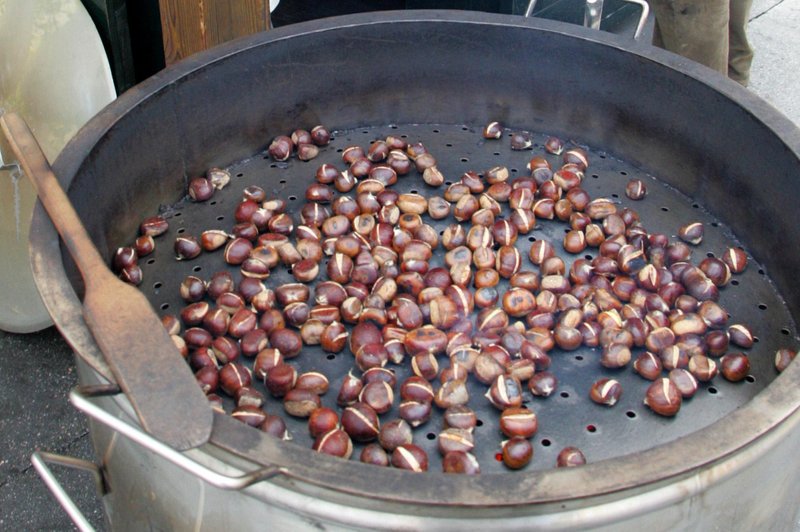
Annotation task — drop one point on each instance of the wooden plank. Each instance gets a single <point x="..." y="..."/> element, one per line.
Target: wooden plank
<point x="189" y="26"/>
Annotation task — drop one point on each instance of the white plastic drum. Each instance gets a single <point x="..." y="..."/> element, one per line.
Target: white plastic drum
<point x="54" y="72"/>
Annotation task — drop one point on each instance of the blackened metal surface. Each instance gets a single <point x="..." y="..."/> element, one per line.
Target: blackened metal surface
<point x="694" y="130"/>
<point x="568" y="417"/>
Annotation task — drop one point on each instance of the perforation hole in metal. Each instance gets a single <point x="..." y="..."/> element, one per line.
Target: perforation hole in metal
<point x="565" y="416"/>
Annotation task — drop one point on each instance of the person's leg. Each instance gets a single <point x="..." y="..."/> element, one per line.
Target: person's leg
<point x="740" y="54"/>
<point x="697" y="29"/>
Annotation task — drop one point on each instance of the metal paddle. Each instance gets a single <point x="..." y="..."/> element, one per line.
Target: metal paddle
<point x="146" y="364"/>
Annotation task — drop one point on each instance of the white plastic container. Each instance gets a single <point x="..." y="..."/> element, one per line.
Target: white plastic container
<point x="54" y="72"/>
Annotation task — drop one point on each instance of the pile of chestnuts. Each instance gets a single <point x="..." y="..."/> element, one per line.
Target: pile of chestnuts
<point x="641" y="301"/>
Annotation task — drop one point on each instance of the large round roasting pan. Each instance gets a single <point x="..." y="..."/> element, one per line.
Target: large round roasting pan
<point x="710" y="143"/>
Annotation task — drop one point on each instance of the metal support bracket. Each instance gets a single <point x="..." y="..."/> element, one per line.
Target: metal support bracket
<point x="40" y="459"/>
<point x="82" y="402"/>
<point x="529" y="10"/>
<point x="642" y="18"/>
<point x="594" y="14"/>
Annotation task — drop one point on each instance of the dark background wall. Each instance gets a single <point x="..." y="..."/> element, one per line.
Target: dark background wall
<point x="133" y="30"/>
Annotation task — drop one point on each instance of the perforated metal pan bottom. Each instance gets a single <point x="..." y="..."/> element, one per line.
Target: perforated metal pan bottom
<point x="566" y="418"/>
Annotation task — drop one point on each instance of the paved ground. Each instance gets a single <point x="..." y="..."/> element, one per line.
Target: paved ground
<point x="38" y="370"/>
<point x="35" y="415"/>
<point x="775" y="34"/>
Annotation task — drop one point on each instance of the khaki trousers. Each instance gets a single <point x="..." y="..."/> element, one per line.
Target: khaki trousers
<point x="711" y="32"/>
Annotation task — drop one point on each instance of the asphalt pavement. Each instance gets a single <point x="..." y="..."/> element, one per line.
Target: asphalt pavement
<point x="38" y="369"/>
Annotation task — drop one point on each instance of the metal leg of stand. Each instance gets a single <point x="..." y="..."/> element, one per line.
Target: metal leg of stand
<point x="593" y="14"/>
<point x="529" y="10"/>
<point x="41" y="459"/>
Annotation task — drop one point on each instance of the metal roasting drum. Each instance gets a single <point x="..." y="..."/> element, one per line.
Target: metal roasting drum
<point x="707" y="149"/>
